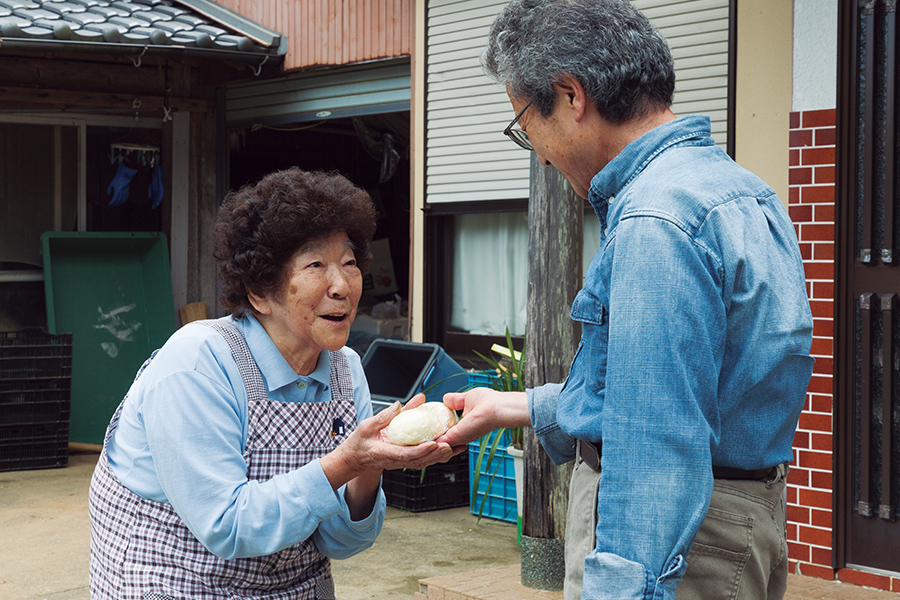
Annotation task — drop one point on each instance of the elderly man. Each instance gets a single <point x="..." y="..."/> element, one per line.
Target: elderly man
<point x="682" y="399"/>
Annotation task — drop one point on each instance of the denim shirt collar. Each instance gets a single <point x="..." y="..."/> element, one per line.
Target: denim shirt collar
<point x="629" y="163"/>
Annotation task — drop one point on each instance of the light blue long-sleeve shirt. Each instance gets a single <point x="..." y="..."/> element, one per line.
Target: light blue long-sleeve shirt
<point x="181" y="437"/>
<point x="696" y="332"/>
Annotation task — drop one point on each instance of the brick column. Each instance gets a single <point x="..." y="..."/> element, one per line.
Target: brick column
<point x="811" y="206"/>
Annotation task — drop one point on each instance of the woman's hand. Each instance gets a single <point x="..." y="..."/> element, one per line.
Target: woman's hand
<point x="368" y="449"/>
<point x="359" y="460"/>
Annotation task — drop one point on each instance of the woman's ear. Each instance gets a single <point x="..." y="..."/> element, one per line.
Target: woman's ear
<point x="571" y="95"/>
<point x="260" y="303"/>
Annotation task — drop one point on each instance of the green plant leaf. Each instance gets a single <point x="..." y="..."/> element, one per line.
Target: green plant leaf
<point x="504" y="379"/>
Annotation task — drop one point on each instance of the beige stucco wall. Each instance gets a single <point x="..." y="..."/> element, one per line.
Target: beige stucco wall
<point x="763" y="90"/>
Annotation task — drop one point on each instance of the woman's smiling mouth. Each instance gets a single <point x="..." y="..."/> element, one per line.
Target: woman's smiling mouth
<point x="335" y="318"/>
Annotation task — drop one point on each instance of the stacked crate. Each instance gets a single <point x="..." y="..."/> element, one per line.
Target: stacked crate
<point x="441" y="485"/>
<point x="35" y="390"/>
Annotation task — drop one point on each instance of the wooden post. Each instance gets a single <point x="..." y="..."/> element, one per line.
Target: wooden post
<point x="555" y="247"/>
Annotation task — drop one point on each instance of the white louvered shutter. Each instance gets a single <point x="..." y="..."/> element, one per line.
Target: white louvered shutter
<point x="468" y="158"/>
<point x="697" y="32"/>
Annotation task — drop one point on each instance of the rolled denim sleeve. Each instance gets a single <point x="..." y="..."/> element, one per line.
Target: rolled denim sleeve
<point x="558" y="444"/>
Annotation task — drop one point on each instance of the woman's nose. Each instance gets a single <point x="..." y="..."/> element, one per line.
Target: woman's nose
<point x="339" y="286"/>
<point x="543" y="160"/>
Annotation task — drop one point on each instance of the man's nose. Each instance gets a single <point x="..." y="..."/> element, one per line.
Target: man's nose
<point x="543" y="160"/>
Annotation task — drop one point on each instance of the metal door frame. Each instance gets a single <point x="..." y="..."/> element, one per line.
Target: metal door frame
<point x="847" y="271"/>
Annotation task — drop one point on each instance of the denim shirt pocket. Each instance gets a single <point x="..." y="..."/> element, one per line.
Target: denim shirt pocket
<point x="587" y="308"/>
<point x="589" y="365"/>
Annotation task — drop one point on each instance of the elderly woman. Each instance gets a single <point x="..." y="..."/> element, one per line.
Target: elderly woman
<point x="245" y="455"/>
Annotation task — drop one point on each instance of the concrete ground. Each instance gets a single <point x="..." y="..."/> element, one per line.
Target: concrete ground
<point x="439" y="555"/>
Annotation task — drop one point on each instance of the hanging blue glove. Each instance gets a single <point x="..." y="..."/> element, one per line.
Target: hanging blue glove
<point x="156" y="189"/>
<point x="118" y="187"/>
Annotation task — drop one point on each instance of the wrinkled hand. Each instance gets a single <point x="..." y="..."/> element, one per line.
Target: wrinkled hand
<point x="484" y="410"/>
<point x="369" y="448"/>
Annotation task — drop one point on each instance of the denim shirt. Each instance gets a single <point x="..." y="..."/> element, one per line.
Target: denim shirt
<point x="696" y="333"/>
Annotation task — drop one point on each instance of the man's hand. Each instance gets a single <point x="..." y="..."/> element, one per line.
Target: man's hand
<point x="484" y="410"/>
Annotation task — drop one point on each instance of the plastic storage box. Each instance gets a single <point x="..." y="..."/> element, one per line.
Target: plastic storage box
<point x="482" y="379"/>
<point x="495" y="497"/>
<point x="35" y="384"/>
<point x="444" y="485"/>
<point x="397" y="370"/>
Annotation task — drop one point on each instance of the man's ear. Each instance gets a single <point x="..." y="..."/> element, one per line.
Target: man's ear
<point x="260" y="303"/>
<point x="571" y="95"/>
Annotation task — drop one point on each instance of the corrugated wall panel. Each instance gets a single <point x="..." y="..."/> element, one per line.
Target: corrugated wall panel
<point x="697" y="32"/>
<point x="467" y="157"/>
<point x="375" y="87"/>
<point x="334" y="32"/>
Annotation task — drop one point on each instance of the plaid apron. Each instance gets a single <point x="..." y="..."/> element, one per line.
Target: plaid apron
<point x="142" y="549"/>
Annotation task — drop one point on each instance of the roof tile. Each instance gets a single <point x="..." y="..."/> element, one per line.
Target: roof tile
<point x="85" y="18"/>
<point x="151" y="16"/>
<point x="127" y="22"/>
<point x="111" y="33"/>
<point x="14" y="4"/>
<point x="193" y="38"/>
<point x="147" y="22"/>
<point x="37" y="32"/>
<point x="63" y="8"/>
<point x="109" y="11"/>
<point x="35" y="13"/>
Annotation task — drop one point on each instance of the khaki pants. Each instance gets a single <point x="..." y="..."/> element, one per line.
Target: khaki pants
<point x="739" y="553"/>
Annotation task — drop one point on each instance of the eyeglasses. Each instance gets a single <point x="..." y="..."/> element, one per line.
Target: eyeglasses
<point x="519" y="136"/>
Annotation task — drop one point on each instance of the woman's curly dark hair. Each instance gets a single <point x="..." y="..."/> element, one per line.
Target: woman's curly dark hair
<point x="260" y="227"/>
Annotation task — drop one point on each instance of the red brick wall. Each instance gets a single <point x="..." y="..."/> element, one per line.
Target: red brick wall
<point x="811" y="206"/>
<point x="809" y="494"/>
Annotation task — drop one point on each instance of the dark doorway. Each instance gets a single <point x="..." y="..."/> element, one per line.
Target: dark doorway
<point x="867" y="299"/>
<point x="354" y="147"/>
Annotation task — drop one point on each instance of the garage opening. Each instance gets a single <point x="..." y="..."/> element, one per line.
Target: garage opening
<point x="372" y="151"/>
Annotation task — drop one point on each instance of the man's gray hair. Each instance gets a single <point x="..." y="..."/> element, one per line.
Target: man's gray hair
<point x="621" y="60"/>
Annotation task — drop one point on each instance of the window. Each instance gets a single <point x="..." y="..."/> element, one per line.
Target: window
<point x="489" y="283"/>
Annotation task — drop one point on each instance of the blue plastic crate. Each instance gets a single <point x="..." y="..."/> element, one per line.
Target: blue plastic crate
<point x="501" y="491"/>
<point x="481" y="378"/>
<point x="484" y="379"/>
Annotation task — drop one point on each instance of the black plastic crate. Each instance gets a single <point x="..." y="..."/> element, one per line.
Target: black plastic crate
<point x="36" y="401"/>
<point x="34" y="446"/>
<point x="445" y="485"/>
<point x="34" y="354"/>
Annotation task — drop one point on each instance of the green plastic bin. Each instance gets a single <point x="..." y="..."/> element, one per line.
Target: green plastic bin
<point x="113" y="293"/>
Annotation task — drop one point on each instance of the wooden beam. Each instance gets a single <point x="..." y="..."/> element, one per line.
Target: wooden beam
<point x="555" y="248"/>
<point x="39" y="99"/>
<point x="81" y="74"/>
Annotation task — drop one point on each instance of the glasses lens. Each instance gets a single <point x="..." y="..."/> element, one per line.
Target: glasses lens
<point x="520" y="137"/>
